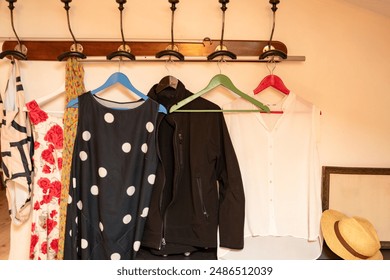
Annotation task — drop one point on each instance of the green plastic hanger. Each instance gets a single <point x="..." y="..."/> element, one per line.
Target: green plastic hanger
<point x="219" y="80"/>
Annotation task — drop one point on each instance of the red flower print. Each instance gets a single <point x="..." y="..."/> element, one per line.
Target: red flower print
<point x="46" y="169"/>
<point x="44" y="248"/>
<point x="50" y="225"/>
<point x="33" y="243"/>
<point x="34" y="117"/>
<point x="54" y="245"/>
<point x="59" y="161"/>
<point x="55" y="189"/>
<point x="53" y="213"/>
<point x="32" y="105"/>
<point x="33" y="227"/>
<point x="36" y="145"/>
<point x="44" y="183"/>
<point x="35" y="114"/>
<point x="55" y="135"/>
<point x="37" y="206"/>
<point x="46" y="199"/>
<point x="47" y="155"/>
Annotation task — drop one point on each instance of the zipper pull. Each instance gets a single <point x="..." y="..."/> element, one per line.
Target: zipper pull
<point x="163" y="243"/>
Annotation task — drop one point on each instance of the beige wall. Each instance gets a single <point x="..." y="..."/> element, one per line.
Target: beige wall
<point x="346" y="72"/>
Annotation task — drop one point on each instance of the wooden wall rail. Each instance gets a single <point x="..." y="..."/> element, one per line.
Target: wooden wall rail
<point x="246" y="50"/>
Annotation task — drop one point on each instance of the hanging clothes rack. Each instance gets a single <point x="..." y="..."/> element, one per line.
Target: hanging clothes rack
<point x="20" y="50"/>
<point x="221" y="50"/>
<point x="124" y="50"/>
<point x="145" y="50"/>
<point x="172" y="49"/>
<point x="76" y="50"/>
<point x="271" y="51"/>
<point x="205" y="50"/>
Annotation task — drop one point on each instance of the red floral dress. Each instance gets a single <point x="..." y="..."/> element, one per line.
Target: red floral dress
<point x="47" y="160"/>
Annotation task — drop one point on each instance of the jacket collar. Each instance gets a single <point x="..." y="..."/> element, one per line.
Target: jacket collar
<point x="169" y="96"/>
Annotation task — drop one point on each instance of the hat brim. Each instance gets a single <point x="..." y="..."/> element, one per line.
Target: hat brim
<point x="328" y="219"/>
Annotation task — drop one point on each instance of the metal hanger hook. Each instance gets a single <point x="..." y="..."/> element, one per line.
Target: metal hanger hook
<point x="219" y="65"/>
<point x="67" y="7"/>
<point x="166" y="65"/>
<point x="119" y="64"/>
<point x="20" y="48"/>
<point x="271" y="65"/>
<point x="11" y="8"/>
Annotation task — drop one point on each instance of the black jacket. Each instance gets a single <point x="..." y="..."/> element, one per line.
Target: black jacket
<point x="198" y="185"/>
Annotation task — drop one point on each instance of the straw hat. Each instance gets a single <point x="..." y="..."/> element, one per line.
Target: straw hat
<point x="351" y="238"/>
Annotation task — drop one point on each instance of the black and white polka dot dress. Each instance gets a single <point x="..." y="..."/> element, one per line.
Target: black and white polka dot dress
<point x="112" y="176"/>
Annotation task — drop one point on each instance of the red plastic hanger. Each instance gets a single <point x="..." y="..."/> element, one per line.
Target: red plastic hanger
<point x="271" y="80"/>
<point x="274" y="81"/>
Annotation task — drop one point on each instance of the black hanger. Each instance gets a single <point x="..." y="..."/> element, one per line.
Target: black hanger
<point x="221" y="50"/>
<point x="172" y="49"/>
<point x="20" y="51"/>
<point x="76" y="50"/>
<point x="123" y="50"/>
<point x="271" y="52"/>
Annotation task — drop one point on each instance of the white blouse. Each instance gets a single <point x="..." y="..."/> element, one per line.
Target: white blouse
<point x="281" y="173"/>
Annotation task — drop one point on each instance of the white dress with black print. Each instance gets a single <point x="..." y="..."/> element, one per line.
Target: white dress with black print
<point x="112" y="176"/>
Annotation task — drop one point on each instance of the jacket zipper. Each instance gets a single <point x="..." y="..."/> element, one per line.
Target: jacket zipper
<point x="176" y="174"/>
<point x="162" y="241"/>
<point x="199" y="184"/>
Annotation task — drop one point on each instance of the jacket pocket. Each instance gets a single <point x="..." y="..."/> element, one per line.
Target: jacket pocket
<point x="200" y="192"/>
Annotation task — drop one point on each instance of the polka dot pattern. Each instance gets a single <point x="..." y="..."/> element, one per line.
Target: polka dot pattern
<point x="130" y="190"/>
<point x="86" y="135"/>
<point x="136" y="246"/>
<point x="127" y="219"/>
<point x="149" y="127"/>
<point x="151" y="179"/>
<point x="94" y="190"/>
<point x="126" y="147"/>
<point x="109" y="118"/>
<point x="145" y="212"/>
<point x="83" y="156"/>
<point x="144" y="148"/>
<point x="102" y="172"/>
<point x="115" y="257"/>
<point x="122" y="164"/>
<point x="84" y="243"/>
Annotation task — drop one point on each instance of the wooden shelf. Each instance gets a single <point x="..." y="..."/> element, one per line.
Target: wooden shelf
<point x="246" y="50"/>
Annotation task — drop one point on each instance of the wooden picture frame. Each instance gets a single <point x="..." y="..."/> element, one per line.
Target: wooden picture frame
<point x="359" y="191"/>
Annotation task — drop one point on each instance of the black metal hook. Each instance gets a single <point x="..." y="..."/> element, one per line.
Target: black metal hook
<point x="170" y="51"/>
<point x="222" y="51"/>
<point x="273" y="52"/>
<point x="20" y="51"/>
<point x="75" y="52"/>
<point x="123" y="50"/>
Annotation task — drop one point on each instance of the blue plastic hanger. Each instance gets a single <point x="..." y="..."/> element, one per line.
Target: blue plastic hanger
<point x="117" y="77"/>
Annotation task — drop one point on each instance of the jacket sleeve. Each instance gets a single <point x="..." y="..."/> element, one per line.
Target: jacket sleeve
<point x="231" y="193"/>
